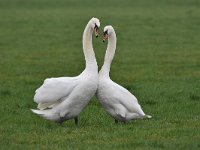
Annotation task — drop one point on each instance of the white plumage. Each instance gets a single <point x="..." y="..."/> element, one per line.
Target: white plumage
<point x="63" y="98"/>
<point x="116" y="100"/>
<point x="53" y="90"/>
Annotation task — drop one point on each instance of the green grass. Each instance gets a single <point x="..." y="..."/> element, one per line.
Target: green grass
<point x="157" y="59"/>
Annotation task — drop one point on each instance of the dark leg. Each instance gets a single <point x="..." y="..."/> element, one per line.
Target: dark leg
<point x="116" y="121"/>
<point x="61" y="120"/>
<point x="76" y="121"/>
<point x="124" y="121"/>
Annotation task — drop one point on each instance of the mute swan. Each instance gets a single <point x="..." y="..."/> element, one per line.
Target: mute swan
<point x="66" y="97"/>
<point x="116" y="100"/>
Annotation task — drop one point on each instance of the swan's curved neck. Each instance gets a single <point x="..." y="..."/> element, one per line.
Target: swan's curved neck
<point x="110" y="52"/>
<point x="88" y="48"/>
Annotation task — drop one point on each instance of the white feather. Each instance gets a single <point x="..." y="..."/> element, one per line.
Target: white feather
<point x="66" y="97"/>
<point x="116" y="100"/>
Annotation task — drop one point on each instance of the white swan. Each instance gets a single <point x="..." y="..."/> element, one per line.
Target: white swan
<point x="116" y="100"/>
<point x="66" y="97"/>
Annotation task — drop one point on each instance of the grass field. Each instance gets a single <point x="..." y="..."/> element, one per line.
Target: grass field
<point x="157" y="59"/>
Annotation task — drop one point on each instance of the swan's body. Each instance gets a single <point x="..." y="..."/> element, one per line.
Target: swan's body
<point x="116" y="100"/>
<point x="66" y="97"/>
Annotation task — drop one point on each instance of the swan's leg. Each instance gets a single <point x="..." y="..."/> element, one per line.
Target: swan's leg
<point x="76" y="121"/>
<point x="116" y="121"/>
<point x="61" y="120"/>
<point x="124" y="121"/>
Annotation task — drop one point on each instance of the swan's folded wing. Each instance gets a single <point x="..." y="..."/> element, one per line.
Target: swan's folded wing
<point x="54" y="89"/>
<point x="125" y="98"/>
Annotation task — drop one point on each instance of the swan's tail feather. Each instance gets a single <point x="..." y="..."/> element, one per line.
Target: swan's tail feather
<point x="148" y="116"/>
<point x="47" y="114"/>
<point x="38" y="112"/>
<point x="43" y="106"/>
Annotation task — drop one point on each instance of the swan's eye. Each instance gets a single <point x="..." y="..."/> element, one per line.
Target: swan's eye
<point x="105" y="32"/>
<point x="95" y="26"/>
<point x="96" y="30"/>
<point x="105" y="35"/>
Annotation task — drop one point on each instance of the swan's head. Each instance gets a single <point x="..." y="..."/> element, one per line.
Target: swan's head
<point x="108" y="30"/>
<point x="95" y="24"/>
